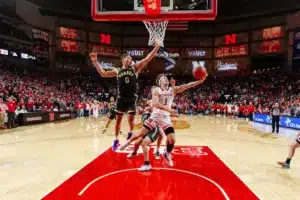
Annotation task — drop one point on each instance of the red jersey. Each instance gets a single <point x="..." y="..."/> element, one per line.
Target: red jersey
<point x="11" y="106"/>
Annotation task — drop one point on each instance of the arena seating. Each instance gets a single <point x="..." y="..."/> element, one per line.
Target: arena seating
<point x="48" y="93"/>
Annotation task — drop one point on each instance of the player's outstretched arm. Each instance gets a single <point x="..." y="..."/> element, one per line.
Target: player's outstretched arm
<point x="156" y="104"/>
<point x="184" y="87"/>
<point x="146" y="60"/>
<point x="99" y="68"/>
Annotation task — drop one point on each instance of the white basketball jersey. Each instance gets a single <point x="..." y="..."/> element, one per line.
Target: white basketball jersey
<point x="166" y="98"/>
<point x="96" y="107"/>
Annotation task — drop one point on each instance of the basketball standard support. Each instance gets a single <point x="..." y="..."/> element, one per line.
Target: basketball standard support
<point x="138" y="13"/>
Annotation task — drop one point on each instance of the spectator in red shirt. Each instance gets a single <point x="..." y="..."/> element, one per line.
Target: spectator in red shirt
<point x="251" y="110"/>
<point x="30" y="104"/>
<point x="11" y="108"/>
<point x="241" y="111"/>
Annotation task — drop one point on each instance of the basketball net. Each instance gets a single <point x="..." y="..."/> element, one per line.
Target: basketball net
<point x="156" y="28"/>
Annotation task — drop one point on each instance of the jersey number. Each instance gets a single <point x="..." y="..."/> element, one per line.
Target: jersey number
<point x="126" y="80"/>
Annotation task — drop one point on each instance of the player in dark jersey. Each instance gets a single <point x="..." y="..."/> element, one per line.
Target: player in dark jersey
<point x="111" y="114"/>
<point x="127" y="88"/>
<point x="153" y="134"/>
<point x="292" y="150"/>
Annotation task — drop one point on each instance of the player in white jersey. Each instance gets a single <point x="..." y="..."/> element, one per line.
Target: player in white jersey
<point x="95" y="108"/>
<point x="162" y="99"/>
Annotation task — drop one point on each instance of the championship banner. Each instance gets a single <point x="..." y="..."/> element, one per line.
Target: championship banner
<point x="40" y="46"/>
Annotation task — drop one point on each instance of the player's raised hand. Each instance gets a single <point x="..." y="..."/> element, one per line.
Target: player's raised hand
<point x="93" y="56"/>
<point x="157" y="42"/>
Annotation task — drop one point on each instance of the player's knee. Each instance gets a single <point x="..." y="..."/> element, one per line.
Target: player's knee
<point x="171" y="141"/>
<point x="169" y="130"/>
<point x="294" y="145"/>
<point x="144" y="143"/>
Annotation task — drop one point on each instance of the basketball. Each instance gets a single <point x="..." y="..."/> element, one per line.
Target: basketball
<point x="199" y="72"/>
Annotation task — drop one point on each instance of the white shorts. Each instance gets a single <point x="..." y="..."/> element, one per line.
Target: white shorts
<point x="96" y="114"/>
<point x="162" y="121"/>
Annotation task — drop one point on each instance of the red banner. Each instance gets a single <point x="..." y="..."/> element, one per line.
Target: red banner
<point x="237" y="50"/>
<point x="269" y="46"/>
<point x="69" y="45"/>
<point x="152" y="7"/>
<point x="105" y="50"/>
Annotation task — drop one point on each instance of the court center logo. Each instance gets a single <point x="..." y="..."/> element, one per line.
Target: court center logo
<point x="41" y="54"/>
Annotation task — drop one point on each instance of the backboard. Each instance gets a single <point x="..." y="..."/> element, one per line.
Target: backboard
<point x="133" y="10"/>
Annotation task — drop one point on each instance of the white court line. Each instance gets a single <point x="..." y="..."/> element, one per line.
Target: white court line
<point x="170" y="169"/>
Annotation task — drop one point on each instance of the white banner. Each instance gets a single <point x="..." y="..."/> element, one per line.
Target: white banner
<point x="41" y="35"/>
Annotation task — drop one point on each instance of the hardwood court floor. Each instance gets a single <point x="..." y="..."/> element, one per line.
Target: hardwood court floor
<point x="36" y="159"/>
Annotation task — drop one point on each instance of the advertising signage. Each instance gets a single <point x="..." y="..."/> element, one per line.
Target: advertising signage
<point x="230" y="39"/>
<point x="267" y="33"/>
<point x="197" y="52"/>
<point x="268" y="46"/>
<point x="228" y="51"/>
<point x="136" y="52"/>
<point x="105" y="50"/>
<point x="231" y="66"/>
<point x="169" y="53"/>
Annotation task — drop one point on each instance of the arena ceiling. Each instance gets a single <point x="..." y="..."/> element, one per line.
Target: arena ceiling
<point x="228" y="9"/>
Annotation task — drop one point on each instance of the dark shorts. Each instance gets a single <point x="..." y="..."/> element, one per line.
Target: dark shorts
<point x="112" y="115"/>
<point x="153" y="134"/>
<point x="126" y="105"/>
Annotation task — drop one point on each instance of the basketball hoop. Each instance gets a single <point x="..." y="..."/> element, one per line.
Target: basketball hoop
<point x="157" y="30"/>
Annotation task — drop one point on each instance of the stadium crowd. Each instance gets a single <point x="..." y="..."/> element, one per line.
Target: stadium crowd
<point x="22" y="91"/>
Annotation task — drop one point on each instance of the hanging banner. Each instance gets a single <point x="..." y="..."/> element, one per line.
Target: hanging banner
<point x="296" y="45"/>
<point x="40" y="46"/>
<point x="296" y="50"/>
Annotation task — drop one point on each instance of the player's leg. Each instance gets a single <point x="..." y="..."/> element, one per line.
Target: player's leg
<point x="170" y="133"/>
<point x="131" y="116"/>
<point x="137" y="144"/>
<point x="108" y="121"/>
<point x="117" y="130"/>
<point x="151" y="137"/>
<point x="131" y="110"/>
<point x="292" y="151"/>
<point x="146" y="166"/>
<point x="158" y="144"/>
<point x="120" y="110"/>
<point x="141" y="133"/>
<point x="111" y="117"/>
<point x="149" y="125"/>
